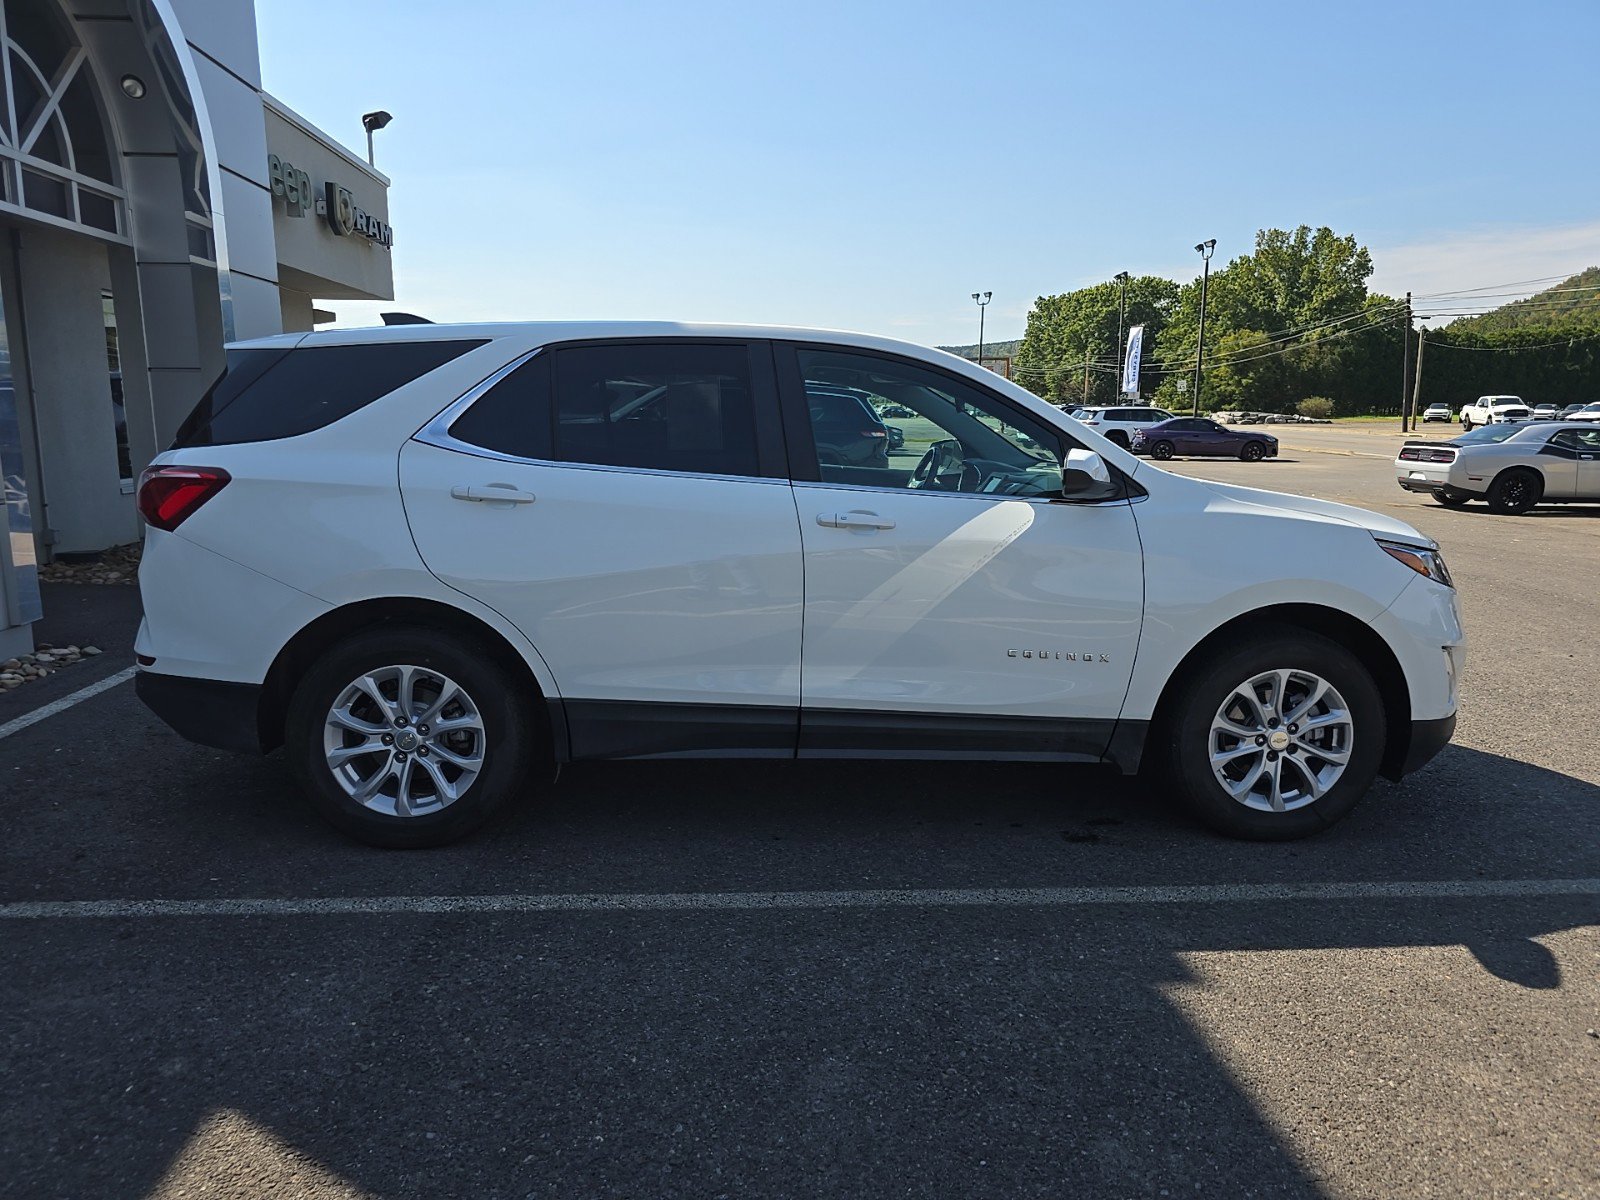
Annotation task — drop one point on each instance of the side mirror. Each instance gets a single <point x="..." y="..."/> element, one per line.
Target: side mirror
<point x="1085" y="476"/>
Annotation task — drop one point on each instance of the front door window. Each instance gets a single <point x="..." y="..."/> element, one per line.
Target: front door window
<point x="885" y="423"/>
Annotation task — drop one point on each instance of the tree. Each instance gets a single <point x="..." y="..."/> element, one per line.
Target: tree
<point x="1274" y="320"/>
<point x="1066" y="332"/>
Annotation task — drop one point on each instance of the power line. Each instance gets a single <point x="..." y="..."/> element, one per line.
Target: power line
<point x="1378" y="316"/>
<point x="1577" y="337"/>
<point x="1489" y="287"/>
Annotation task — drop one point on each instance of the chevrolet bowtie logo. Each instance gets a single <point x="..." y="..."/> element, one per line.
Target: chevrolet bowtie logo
<point x="1060" y="655"/>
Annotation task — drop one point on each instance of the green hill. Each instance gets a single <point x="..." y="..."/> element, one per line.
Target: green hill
<point x="1574" y="303"/>
<point x="990" y="349"/>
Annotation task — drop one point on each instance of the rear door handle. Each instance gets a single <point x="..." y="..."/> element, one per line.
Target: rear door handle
<point x="854" y="520"/>
<point x="503" y="493"/>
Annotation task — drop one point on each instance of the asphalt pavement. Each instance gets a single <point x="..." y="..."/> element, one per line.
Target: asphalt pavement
<point x="826" y="979"/>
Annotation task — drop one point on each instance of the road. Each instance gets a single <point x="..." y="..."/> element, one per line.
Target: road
<point x="828" y="979"/>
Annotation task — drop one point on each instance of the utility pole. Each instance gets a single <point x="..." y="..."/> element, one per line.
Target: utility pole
<point x="1088" y="355"/>
<point x="1416" y="386"/>
<point x="1205" y="250"/>
<point x="1405" y="366"/>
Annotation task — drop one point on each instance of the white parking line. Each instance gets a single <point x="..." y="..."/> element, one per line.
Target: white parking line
<point x="1246" y="893"/>
<point x="66" y="702"/>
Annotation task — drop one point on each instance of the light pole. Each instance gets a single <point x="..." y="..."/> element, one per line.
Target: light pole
<point x="372" y="122"/>
<point x="1205" y="250"/>
<point x="1122" y="314"/>
<point x="981" y="299"/>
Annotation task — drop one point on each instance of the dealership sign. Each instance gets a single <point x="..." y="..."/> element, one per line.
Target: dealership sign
<point x="336" y="204"/>
<point x="1132" y="363"/>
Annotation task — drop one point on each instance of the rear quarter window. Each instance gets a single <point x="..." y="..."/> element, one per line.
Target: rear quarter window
<point x="266" y="394"/>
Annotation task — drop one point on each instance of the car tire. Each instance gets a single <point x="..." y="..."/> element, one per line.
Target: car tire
<point x="1212" y="693"/>
<point x="1451" y="499"/>
<point x="1117" y="438"/>
<point x="1515" y="491"/>
<point x="492" y="733"/>
<point x="1253" y="452"/>
<point x="1466" y="424"/>
<point x="1162" y="450"/>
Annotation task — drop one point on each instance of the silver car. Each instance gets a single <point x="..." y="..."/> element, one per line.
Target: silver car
<point x="1549" y="462"/>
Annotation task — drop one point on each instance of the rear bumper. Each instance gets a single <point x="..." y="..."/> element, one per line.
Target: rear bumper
<point x="206" y="711"/>
<point x="1422" y="479"/>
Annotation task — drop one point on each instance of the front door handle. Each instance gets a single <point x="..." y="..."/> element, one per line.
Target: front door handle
<point x="501" y="493"/>
<point x="857" y="519"/>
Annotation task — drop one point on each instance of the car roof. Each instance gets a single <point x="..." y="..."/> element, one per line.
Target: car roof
<point x="541" y="332"/>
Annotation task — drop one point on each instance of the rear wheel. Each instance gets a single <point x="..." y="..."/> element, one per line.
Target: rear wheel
<point x="1253" y="452"/>
<point x="1278" y="740"/>
<point x="1118" y="437"/>
<point x="1516" y="491"/>
<point x="1162" y="450"/>
<point x="408" y="737"/>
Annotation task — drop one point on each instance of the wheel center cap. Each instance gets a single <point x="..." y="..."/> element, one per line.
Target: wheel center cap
<point x="1278" y="740"/>
<point x="405" y="740"/>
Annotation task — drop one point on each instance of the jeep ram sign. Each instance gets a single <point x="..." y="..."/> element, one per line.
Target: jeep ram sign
<point x="336" y="205"/>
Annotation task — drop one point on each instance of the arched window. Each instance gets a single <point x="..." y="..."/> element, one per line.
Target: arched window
<point x="55" y="150"/>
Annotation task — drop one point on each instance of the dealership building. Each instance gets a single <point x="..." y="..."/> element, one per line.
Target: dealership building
<point x="155" y="204"/>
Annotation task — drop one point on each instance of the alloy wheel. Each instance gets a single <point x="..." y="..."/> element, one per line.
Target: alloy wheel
<point x="1281" y="740"/>
<point x="404" y="740"/>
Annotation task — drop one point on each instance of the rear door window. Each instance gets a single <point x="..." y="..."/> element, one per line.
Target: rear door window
<point x="280" y="392"/>
<point x="513" y="416"/>
<point x="658" y="406"/>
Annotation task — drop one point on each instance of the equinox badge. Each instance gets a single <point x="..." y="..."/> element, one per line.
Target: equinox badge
<point x="1061" y="655"/>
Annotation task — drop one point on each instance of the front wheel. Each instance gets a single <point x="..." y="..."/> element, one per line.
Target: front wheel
<point x="1515" y="491"/>
<point x="1162" y="450"/>
<point x="1278" y="739"/>
<point x="1466" y="424"/>
<point x="1253" y="452"/>
<point x="406" y="737"/>
<point x="1451" y="499"/>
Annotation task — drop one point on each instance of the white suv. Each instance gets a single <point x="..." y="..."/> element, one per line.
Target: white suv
<point x="433" y="561"/>
<point x="1121" y="422"/>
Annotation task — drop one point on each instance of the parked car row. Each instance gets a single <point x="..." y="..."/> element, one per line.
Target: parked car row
<point x="1511" y="465"/>
<point x="1500" y="410"/>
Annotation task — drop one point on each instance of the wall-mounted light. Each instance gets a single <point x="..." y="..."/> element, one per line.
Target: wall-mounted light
<point x="133" y="86"/>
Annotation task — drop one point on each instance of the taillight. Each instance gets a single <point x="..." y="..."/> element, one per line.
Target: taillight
<point x="873" y="433"/>
<point x="1425" y="454"/>
<point x="168" y="496"/>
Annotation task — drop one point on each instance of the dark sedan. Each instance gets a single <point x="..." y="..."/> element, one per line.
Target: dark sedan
<point x="1202" y="438"/>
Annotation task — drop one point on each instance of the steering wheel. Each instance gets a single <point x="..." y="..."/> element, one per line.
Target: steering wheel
<point x="940" y="456"/>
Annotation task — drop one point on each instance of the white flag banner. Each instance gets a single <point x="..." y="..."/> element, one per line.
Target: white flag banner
<point x="1130" y="364"/>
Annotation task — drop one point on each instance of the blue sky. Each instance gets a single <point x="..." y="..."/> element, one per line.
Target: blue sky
<point x="870" y="165"/>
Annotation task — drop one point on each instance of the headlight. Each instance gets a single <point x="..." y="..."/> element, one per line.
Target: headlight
<point x="1423" y="562"/>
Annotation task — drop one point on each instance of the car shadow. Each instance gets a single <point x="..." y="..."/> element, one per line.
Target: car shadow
<point x="1578" y="511"/>
<point x="858" y="1050"/>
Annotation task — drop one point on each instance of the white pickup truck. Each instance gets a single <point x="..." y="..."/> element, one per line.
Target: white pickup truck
<point x="1494" y="410"/>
